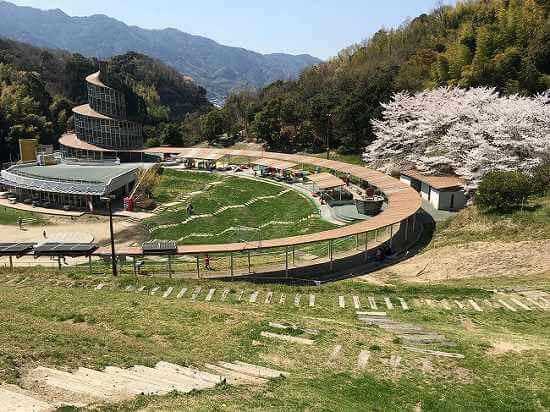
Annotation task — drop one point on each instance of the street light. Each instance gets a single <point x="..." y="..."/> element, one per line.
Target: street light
<point x="109" y="200"/>
<point x="329" y="132"/>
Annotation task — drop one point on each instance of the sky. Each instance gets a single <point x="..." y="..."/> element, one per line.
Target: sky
<point x="317" y="27"/>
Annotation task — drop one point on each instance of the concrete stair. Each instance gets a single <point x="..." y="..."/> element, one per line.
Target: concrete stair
<point x="85" y="386"/>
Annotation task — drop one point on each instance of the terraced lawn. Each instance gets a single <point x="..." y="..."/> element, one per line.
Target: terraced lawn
<point x="284" y="213"/>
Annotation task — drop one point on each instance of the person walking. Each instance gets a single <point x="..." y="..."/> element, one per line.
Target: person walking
<point x="44" y="233"/>
<point x="20" y="222"/>
<point x="189" y="209"/>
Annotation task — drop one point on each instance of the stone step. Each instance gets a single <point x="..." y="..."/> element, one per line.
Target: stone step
<point x="164" y="384"/>
<point x="71" y="383"/>
<point x="253" y="370"/>
<point x="190" y="372"/>
<point x="168" y="292"/>
<point x="181" y="293"/>
<point x="356" y="302"/>
<point x="173" y="378"/>
<point x="363" y="359"/>
<point x="19" y="401"/>
<point x="224" y="294"/>
<point x="268" y="298"/>
<point x="236" y="378"/>
<point x="311" y="301"/>
<point x="388" y="303"/>
<point x="119" y="384"/>
<point x="434" y="352"/>
<point x="210" y="295"/>
<point x="341" y="302"/>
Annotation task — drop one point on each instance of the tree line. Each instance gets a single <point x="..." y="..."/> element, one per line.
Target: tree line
<point x="504" y="44"/>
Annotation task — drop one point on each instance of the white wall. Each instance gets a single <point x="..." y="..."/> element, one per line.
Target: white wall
<point x="405" y="179"/>
<point x="444" y="199"/>
<point x="425" y="191"/>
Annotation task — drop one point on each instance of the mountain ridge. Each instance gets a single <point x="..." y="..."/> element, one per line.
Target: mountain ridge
<point x="218" y="68"/>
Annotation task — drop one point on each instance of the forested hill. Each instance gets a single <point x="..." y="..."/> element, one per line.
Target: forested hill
<point x="499" y="43"/>
<point x="216" y="67"/>
<point x="39" y="87"/>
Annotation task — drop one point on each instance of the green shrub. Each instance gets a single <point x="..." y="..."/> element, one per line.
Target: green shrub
<point x="540" y="180"/>
<point x="503" y="191"/>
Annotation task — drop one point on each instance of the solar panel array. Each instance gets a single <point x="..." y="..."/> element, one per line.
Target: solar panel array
<point x="15" y="249"/>
<point x="64" y="249"/>
<point x="160" y="246"/>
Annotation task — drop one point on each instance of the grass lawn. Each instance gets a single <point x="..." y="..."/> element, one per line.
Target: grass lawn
<point x="69" y="327"/>
<point x="283" y="207"/>
<point x="9" y="216"/>
<point x="175" y="183"/>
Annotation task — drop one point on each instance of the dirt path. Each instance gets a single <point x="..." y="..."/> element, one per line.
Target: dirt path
<point x="477" y="259"/>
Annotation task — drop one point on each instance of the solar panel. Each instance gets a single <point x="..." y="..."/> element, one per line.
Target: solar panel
<point x="64" y="249"/>
<point x="15" y="249"/>
<point x="160" y="246"/>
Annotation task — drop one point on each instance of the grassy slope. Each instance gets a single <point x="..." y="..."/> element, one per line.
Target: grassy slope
<point x="470" y="225"/>
<point x="290" y="207"/>
<point x="64" y="327"/>
<point x="9" y="216"/>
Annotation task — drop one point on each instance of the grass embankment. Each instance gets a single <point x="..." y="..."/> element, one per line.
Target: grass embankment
<point x="472" y="225"/>
<point x="287" y="207"/>
<point x="9" y="216"/>
<point x="69" y="327"/>
<point x="175" y="183"/>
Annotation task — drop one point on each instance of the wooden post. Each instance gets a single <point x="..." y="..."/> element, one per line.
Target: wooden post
<point x="376" y="235"/>
<point x="357" y="241"/>
<point x="11" y="262"/>
<point x="330" y="255"/>
<point x="59" y="262"/>
<point x="293" y="255"/>
<point x="198" y="267"/>
<point x="90" y="263"/>
<point x="134" y="269"/>
<point x="231" y="264"/>
<point x="249" y="265"/>
<point x="286" y="261"/>
<point x="366" y="246"/>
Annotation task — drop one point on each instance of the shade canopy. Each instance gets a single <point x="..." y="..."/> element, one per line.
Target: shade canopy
<point x="326" y="181"/>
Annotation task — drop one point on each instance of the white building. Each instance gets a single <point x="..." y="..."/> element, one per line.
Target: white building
<point x="442" y="192"/>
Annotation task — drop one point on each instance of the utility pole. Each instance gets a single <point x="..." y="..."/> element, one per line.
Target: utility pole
<point x="109" y="200"/>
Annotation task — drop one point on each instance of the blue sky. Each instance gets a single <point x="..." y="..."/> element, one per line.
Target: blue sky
<point x="317" y="27"/>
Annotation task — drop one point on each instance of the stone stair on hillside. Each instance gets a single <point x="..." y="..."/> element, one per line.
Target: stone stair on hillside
<point x="50" y="388"/>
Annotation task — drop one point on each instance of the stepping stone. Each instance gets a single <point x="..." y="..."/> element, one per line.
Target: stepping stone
<point x="356" y="302"/>
<point x="100" y="286"/>
<point x="434" y="352"/>
<point x="507" y="306"/>
<point x="141" y="289"/>
<point x="372" y="314"/>
<point x="487" y="303"/>
<point x="262" y="371"/>
<point x="430" y="303"/>
<point x="388" y="303"/>
<point x="283" y="298"/>
<point x="297" y="299"/>
<point x="520" y="304"/>
<point x="403" y="304"/>
<point x="311" y="301"/>
<point x="268" y="298"/>
<point x="546" y="303"/>
<point x="240" y="295"/>
<point x="445" y="304"/>
<point x="181" y="293"/>
<point x="287" y="338"/>
<point x="459" y="304"/>
<point x="335" y="352"/>
<point x="341" y="302"/>
<point x="196" y="293"/>
<point x="168" y="292"/>
<point x="253" y="297"/>
<point x="210" y="295"/>
<point x="19" y="401"/>
<point x="395" y="361"/>
<point x="129" y="288"/>
<point x="474" y="305"/>
<point x="372" y="303"/>
<point x="534" y="303"/>
<point x="224" y="294"/>
<point x="234" y="377"/>
<point x="363" y="359"/>
<point x="190" y="372"/>
<point x="155" y="290"/>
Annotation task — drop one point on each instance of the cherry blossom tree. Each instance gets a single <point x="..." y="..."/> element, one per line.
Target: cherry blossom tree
<point x="463" y="132"/>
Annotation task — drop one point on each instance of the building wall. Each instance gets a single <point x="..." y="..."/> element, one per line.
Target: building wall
<point x="425" y="192"/>
<point x="405" y="179"/>
<point x="444" y="199"/>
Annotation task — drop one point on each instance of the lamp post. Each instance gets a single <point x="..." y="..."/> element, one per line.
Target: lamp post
<point x="108" y="200"/>
<point x="329" y="132"/>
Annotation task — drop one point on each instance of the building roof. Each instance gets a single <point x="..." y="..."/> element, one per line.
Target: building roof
<point x="274" y="163"/>
<point x="437" y="182"/>
<point x="94" y="79"/>
<point x="75" y="173"/>
<point x="326" y="181"/>
<point x="86" y="110"/>
<point x="71" y="140"/>
<point x="202" y="154"/>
